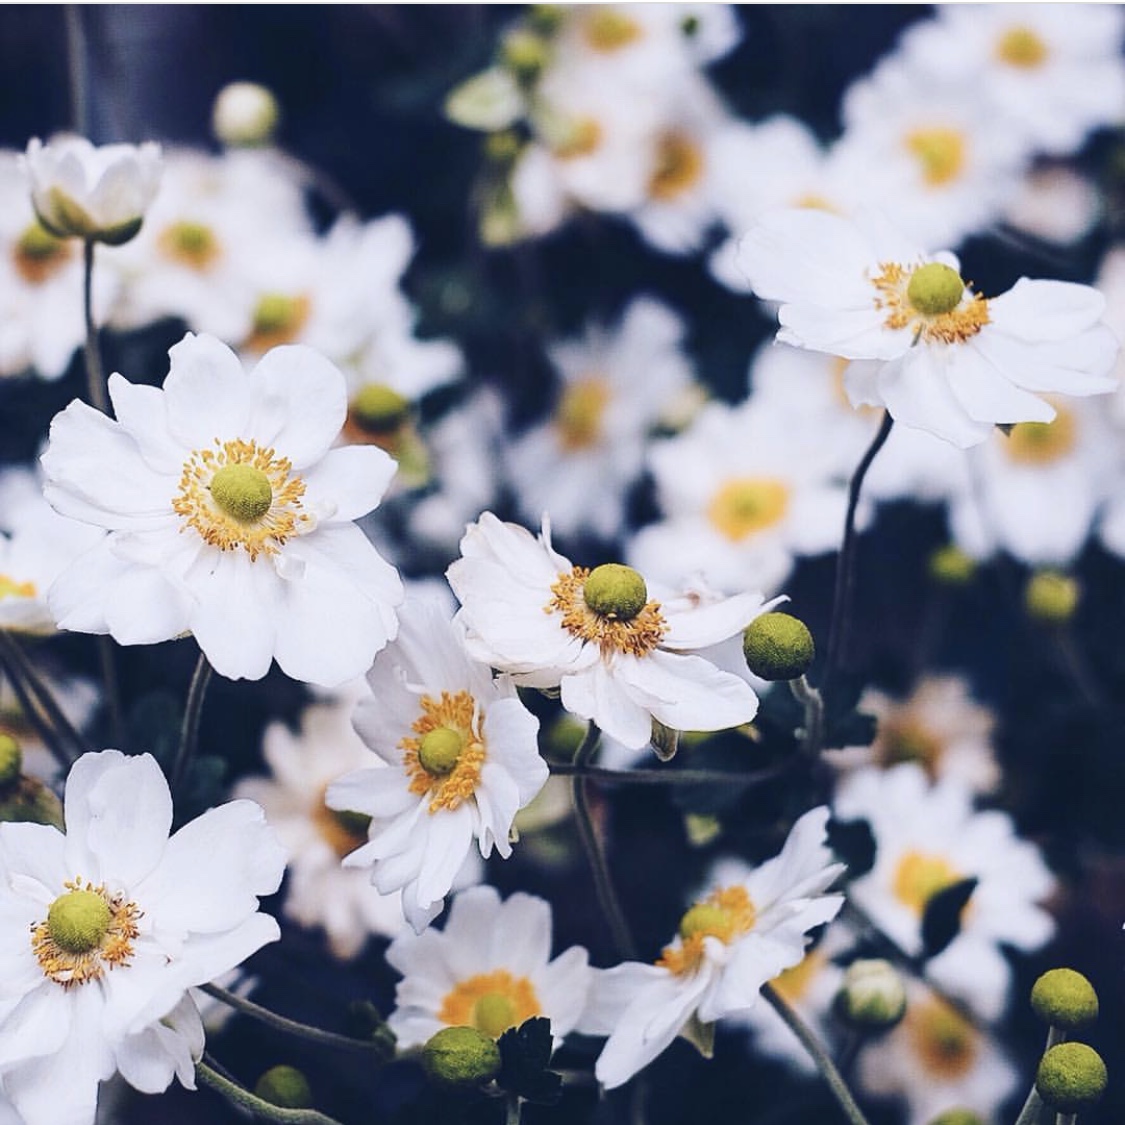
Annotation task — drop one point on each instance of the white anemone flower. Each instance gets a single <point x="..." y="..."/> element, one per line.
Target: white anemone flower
<point x="751" y="925"/>
<point x="489" y="968"/>
<point x="100" y="193"/>
<point x="460" y="757"/>
<point x="618" y="658"/>
<point x="104" y="929"/>
<point x="230" y="516"/>
<point x="953" y="362"/>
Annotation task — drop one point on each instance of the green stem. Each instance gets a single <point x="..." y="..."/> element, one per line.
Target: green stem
<point x="818" y="1054"/>
<point x="76" y="66"/>
<point x="290" y="1027"/>
<point x="667" y="776"/>
<point x="812" y="733"/>
<point x="266" y="1111"/>
<point x="1029" y="1115"/>
<point x="95" y="377"/>
<point x="193" y="710"/>
<point x="107" y="660"/>
<point x="513" y="1110"/>
<point x="595" y="855"/>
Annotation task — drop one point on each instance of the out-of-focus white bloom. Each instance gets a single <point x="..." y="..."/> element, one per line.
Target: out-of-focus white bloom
<point x="928" y="838"/>
<point x="618" y="658"/>
<point x="954" y="362"/>
<point x="104" y="930"/>
<point x="936" y="1060"/>
<point x="1046" y="73"/>
<point x="617" y="385"/>
<point x="938" y="725"/>
<point x="99" y="193"/>
<point x="489" y="968"/>
<point x="245" y="113"/>
<point x="742" y="495"/>
<point x="461" y="758"/>
<point x="1055" y="204"/>
<point x="750" y="925"/>
<point x="230" y="516"/>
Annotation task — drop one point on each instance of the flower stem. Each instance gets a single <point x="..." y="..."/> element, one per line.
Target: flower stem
<point x="818" y="1054"/>
<point x="595" y="854"/>
<point x="812" y="733"/>
<point x="95" y="376"/>
<point x="667" y="776"/>
<point x="267" y="1111"/>
<point x="513" y="1110"/>
<point x="76" y="65"/>
<point x="1029" y="1115"/>
<point x="291" y="1027"/>
<point x="845" y="564"/>
<point x="193" y="710"/>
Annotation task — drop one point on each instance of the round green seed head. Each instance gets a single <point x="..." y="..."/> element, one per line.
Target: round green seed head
<point x="1051" y="597"/>
<point x="613" y="590"/>
<point x="778" y="646"/>
<point x="242" y="491"/>
<point x="275" y="312"/>
<point x="379" y="408"/>
<point x="958" y="1117"/>
<point x="951" y="566"/>
<point x="284" y="1086"/>
<point x="1071" y="1077"/>
<point x="11" y="760"/>
<point x="703" y="918"/>
<point x="934" y="289"/>
<point x="78" y="920"/>
<point x="1064" y="999"/>
<point x="461" y="1056"/>
<point x="440" y="749"/>
<point x="493" y="1014"/>
<point x="872" y="996"/>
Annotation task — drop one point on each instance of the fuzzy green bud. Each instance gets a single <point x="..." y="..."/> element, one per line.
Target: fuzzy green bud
<point x="242" y="491"/>
<point x="27" y="800"/>
<point x="461" y="1056"/>
<point x="439" y="750"/>
<point x="872" y="996"/>
<point x="613" y="590"/>
<point x="78" y="920"/>
<point x="778" y="646"/>
<point x="1051" y="597"/>
<point x="284" y="1086"/>
<point x="1064" y="999"/>
<point x="1071" y="1077"/>
<point x="11" y="760"/>
<point x="934" y="289"/>
<point x="379" y="408"/>
<point x="958" y="1117"/>
<point x="950" y="566"/>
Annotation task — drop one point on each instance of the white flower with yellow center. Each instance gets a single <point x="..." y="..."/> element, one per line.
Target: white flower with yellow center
<point x="489" y="968"/>
<point x="619" y="657"/>
<point x="928" y="838"/>
<point x="104" y="930"/>
<point x="953" y="362"/>
<point x="461" y="759"/>
<point x="230" y="516"/>
<point x="750" y="926"/>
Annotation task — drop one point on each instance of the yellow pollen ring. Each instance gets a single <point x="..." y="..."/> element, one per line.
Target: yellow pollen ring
<point x="636" y="636"/>
<point x="578" y="416"/>
<point x="945" y="1043"/>
<point x="746" y="505"/>
<point x="453" y="714"/>
<point x="490" y="1002"/>
<point x="892" y="297"/>
<point x="608" y="30"/>
<point x="679" y="167"/>
<point x="13" y="588"/>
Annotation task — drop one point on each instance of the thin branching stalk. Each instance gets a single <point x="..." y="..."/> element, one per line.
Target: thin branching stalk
<point x="667" y="776"/>
<point x="812" y="731"/>
<point x="95" y="376"/>
<point x="76" y="67"/>
<point x="193" y="710"/>
<point x="266" y="1111"/>
<point x="1030" y="1113"/>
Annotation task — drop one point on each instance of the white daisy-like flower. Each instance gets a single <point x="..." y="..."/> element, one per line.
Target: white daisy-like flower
<point x="461" y="759"/>
<point x="618" y="658"/>
<point x="928" y="837"/>
<point x="617" y="384"/>
<point x="936" y="1060"/>
<point x="489" y="968"/>
<point x="104" y="930"/>
<point x="953" y="362"/>
<point x="749" y="927"/>
<point x="80" y="190"/>
<point x="230" y="516"/>
<point x="1056" y="204"/>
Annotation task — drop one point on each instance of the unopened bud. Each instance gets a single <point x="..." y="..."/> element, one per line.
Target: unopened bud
<point x="1064" y="999"/>
<point x="1051" y="597"/>
<point x="950" y="566"/>
<point x="461" y="1056"/>
<point x="284" y="1086"/>
<point x="872" y="996"/>
<point x="778" y="646"/>
<point x="1071" y="1077"/>
<point x="245" y="115"/>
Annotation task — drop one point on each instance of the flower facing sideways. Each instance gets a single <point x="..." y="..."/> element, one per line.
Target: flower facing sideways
<point x="230" y="516"/>
<point x="104" y="929"/>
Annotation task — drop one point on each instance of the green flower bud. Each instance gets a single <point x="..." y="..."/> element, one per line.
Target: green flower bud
<point x="1071" y="1077"/>
<point x="872" y="996"/>
<point x="958" y="1117"/>
<point x="1064" y="999"/>
<point x="11" y="760"/>
<point x="461" y="1056"/>
<point x="284" y="1086"/>
<point x="778" y="646"/>
<point x="613" y="590"/>
<point x="950" y="566"/>
<point x="1051" y="597"/>
<point x="934" y="289"/>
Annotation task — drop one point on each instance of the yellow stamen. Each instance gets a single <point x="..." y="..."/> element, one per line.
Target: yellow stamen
<point x="1021" y="47"/>
<point x="679" y="167"/>
<point x="490" y="1002"/>
<point x="457" y="713"/>
<point x="13" y="588"/>
<point x="637" y="635"/>
<point x="919" y="876"/>
<point x="725" y="914"/>
<point x="940" y="152"/>
<point x="747" y="505"/>
<point x="954" y="327"/>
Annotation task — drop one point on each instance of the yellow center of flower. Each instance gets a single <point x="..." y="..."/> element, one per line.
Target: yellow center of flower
<point x="580" y="137"/>
<point x="747" y="505"/>
<point x="278" y="319"/>
<point x="578" y="416"/>
<point x="341" y="830"/>
<point x="490" y="1002"/>
<point x="944" y="1042"/>
<point x="190" y="244"/>
<point x="940" y="152"/>
<point x="812" y="201"/>
<point x="1021" y="47"/>
<point x="725" y="914"/>
<point x="87" y="932"/>
<point x="13" y="588"/>
<point x="908" y="740"/>
<point x="608" y="30"/>
<point x="679" y="167"/>
<point x="240" y="496"/>
<point x="444" y="756"/>
<point x="794" y="983"/>
<point x="907" y="303"/>
<point x="919" y="876"/>
<point x="1043" y="443"/>
<point x="613" y="622"/>
<point x="39" y="255"/>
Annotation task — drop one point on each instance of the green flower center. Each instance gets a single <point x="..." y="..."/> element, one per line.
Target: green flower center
<point x="276" y="312"/>
<point x="78" y="921"/>
<point x="379" y="408"/>
<point x="935" y="289"/>
<point x="243" y="492"/>
<point x="617" y="591"/>
<point x="11" y="759"/>
<point x="191" y="243"/>
<point x="440" y="750"/>
<point x="493" y="1014"/>
<point x="707" y="919"/>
